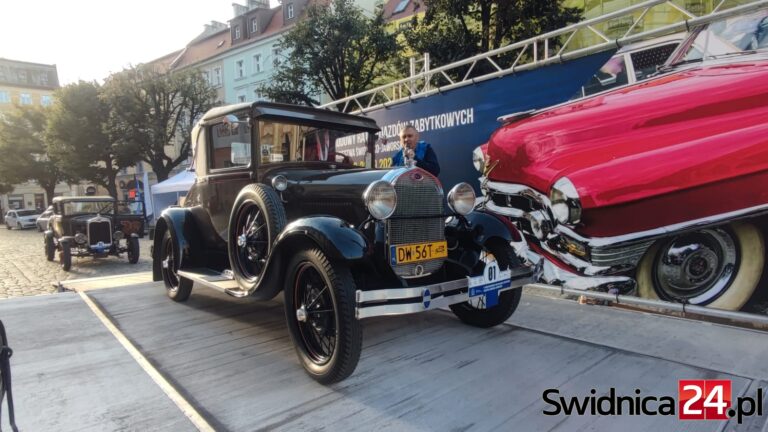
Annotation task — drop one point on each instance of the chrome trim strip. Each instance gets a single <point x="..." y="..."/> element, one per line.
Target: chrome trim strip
<point x="656" y="233"/>
<point x="520" y="276"/>
<point x="505" y="211"/>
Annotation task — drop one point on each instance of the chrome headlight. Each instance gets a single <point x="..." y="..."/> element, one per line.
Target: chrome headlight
<point x="118" y="235"/>
<point x="80" y="238"/>
<point x="478" y="159"/>
<point x="461" y="199"/>
<point x="280" y="183"/>
<point x="381" y="199"/>
<point x="566" y="205"/>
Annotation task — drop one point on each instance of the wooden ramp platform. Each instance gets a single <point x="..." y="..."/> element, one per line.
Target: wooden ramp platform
<point x="234" y="363"/>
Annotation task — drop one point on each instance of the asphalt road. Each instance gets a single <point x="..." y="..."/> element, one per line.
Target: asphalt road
<point x="24" y="271"/>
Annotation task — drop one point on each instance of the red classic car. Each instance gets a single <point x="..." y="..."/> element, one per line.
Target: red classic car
<point x="662" y="183"/>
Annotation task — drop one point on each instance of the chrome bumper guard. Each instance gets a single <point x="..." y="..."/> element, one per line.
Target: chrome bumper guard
<point x="401" y="301"/>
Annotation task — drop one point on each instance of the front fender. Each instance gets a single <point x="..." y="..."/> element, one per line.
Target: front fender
<point x="337" y="239"/>
<point x="183" y="228"/>
<point x="484" y="226"/>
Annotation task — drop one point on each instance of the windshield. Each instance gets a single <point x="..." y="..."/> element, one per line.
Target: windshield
<point x="84" y="207"/>
<point x="26" y="212"/>
<point x="285" y="142"/>
<point x="735" y="35"/>
<point x="130" y="208"/>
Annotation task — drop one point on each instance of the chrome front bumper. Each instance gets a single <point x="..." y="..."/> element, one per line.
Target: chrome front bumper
<point x="401" y="301"/>
<point x="549" y="273"/>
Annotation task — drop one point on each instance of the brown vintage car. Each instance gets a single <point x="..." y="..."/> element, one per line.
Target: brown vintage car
<point x="96" y="226"/>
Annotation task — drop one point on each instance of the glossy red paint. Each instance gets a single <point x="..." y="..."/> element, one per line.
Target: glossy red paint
<point x="651" y="154"/>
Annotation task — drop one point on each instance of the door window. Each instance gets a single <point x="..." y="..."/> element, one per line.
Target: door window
<point x="230" y="144"/>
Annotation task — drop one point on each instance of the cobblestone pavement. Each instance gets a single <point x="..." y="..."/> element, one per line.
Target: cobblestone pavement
<point x="24" y="271"/>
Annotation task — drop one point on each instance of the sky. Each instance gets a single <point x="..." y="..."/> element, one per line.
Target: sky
<point x="89" y="39"/>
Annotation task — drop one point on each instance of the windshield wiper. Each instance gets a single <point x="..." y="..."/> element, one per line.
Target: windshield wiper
<point x="666" y="67"/>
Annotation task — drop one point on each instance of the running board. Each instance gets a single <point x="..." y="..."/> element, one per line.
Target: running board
<point x="222" y="282"/>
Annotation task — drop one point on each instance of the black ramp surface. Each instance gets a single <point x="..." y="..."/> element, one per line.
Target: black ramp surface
<point x="71" y="374"/>
<point x="236" y="364"/>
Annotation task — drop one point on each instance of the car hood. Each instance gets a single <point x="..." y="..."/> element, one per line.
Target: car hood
<point x="673" y="132"/>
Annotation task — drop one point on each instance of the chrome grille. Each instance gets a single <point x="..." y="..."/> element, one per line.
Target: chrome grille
<point x="612" y="256"/>
<point x="99" y="230"/>
<point x="417" y="196"/>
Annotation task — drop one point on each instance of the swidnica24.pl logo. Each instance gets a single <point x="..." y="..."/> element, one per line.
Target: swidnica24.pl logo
<point x="696" y="400"/>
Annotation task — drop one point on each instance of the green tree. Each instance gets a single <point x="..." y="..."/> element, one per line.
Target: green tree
<point x="24" y="150"/>
<point x="150" y="111"/>
<point x="452" y="30"/>
<point x="79" y="138"/>
<point x="336" y="50"/>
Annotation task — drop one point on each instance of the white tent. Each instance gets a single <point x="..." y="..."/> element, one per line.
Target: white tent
<point x="168" y="192"/>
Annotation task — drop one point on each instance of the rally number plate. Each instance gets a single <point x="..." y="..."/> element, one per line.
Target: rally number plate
<point x="416" y="252"/>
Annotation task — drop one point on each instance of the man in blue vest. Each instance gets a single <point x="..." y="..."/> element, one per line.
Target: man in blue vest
<point x="417" y="151"/>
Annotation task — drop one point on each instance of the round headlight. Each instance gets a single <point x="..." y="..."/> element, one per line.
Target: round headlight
<point x="381" y="199"/>
<point x="80" y="238"/>
<point x="478" y="159"/>
<point x="118" y="235"/>
<point x="461" y="199"/>
<point x="565" y="202"/>
<point x="280" y="183"/>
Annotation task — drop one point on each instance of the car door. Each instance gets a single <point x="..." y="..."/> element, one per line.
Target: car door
<point x="11" y="219"/>
<point x="228" y="170"/>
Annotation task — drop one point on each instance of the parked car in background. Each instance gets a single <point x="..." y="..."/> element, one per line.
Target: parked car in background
<point x="92" y="226"/>
<point x="42" y="221"/>
<point x="276" y="207"/>
<point x="631" y="64"/>
<point x="21" y="218"/>
<point x="661" y="183"/>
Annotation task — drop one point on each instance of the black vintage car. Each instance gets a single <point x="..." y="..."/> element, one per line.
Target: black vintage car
<point x="279" y="205"/>
<point x="96" y="226"/>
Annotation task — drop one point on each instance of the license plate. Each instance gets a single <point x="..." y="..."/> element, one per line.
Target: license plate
<point x="410" y="253"/>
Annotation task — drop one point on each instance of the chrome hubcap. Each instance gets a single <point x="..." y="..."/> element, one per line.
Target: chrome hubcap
<point x="696" y="267"/>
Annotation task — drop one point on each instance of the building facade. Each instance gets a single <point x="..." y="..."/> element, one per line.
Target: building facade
<point x="26" y="83"/>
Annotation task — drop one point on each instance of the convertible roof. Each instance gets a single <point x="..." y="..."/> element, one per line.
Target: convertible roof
<point x="298" y="112"/>
<point x="88" y="198"/>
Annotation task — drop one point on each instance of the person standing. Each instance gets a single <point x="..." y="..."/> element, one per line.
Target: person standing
<point x="418" y="151"/>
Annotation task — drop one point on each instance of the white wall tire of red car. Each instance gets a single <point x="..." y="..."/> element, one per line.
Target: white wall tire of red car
<point x="752" y="252"/>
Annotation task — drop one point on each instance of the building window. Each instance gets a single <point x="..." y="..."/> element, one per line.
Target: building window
<point x="239" y="69"/>
<point x="254" y="25"/>
<point x="46" y="100"/>
<point x="43" y="78"/>
<point x="290" y="10"/>
<point x="241" y="98"/>
<point x="25" y="99"/>
<point x="217" y="76"/>
<point x="237" y="32"/>
<point x="5" y="97"/>
<point x="257" y="63"/>
<point x="276" y="57"/>
<point x="401" y="6"/>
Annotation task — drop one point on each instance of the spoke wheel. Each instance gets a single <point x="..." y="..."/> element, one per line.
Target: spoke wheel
<point x="320" y="313"/>
<point x="257" y="218"/>
<point x="252" y="236"/>
<point x="177" y="288"/>
<point x="315" y="314"/>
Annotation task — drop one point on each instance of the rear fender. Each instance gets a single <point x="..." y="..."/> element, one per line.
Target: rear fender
<point x="183" y="228"/>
